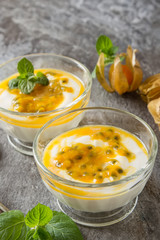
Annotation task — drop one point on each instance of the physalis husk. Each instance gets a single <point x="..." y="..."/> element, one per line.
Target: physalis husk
<point x="122" y="77"/>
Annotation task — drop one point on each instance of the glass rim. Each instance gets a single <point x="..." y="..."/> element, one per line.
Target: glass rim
<point x="87" y="88"/>
<point x="151" y="156"/>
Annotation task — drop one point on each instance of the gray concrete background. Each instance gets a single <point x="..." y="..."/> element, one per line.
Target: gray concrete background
<point x="71" y="28"/>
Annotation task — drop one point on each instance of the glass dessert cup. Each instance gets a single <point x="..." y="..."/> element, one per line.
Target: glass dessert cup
<point x="96" y="204"/>
<point x="21" y="128"/>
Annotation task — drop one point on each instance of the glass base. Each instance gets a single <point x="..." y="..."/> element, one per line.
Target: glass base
<point x="20" y="146"/>
<point x="100" y="219"/>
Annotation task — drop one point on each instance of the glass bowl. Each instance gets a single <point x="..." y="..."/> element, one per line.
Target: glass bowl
<point x="96" y="204"/>
<point x="21" y="128"/>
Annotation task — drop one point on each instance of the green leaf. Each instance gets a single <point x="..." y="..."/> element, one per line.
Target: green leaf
<point x="12" y="225"/>
<point x="112" y="51"/>
<point x="30" y="235"/>
<point x="32" y="78"/>
<point x="22" y="76"/>
<point x="122" y="58"/>
<point x="40" y="215"/>
<point x="26" y="81"/>
<point x="25" y="66"/>
<point x="13" y="83"/>
<point x="61" y="227"/>
<point x="26" y="86"/>
<point x="40" y="233"/>
<point x="94" y="73"/>
<point x="103" y="44"/>
<point x="109" y="60"/>
<point x="43" y="234"/>
<point x="42" y="79"/>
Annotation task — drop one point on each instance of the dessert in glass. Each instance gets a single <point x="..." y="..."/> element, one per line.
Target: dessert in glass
<point x="97" y="168"/>
<point x="22" y="115"/>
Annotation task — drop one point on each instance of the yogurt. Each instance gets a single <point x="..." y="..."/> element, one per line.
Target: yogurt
<point x="95" y="155"/>
<point x="62" y="90"/>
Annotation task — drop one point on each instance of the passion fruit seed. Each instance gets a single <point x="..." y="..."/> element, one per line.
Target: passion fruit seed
<point x="114" y="161"/>
<point x="114" y="174"/>
<point x="108" y="151"/>
<point x="101" y="133"/>
<point x="100" y="177"/>
<point x="117" y="137"/>
<point x="79" y="157"/>
<point x="120" y="170"/>
<point x="110" y="130"/>
<point x="83" y="166"/>
<point x="115" y="147"/>
<point x="70" y="173"/>
<point x="128" y="154"/>
<point x="99" y="169"/>
<point x="90" y="147"/>
<point x="91" y="154"/>
<point x="62" y="152"/>
<point x="58" y="164"/>
<point x="65" y="80"/>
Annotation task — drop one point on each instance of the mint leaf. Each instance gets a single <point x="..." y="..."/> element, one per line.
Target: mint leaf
<point x="42" y="234"/>
<point x="122" y="58"/>
<point x="22" y="76"/>
<point x="31" y="77"/>
<point x="13" y="83"/>
<point x="112" y="51"/>
<point x="25" y="66"/>
<point x="109" y="60"/>
<point x="30" y="235"/>
<point x="40" y="215"/>
<point x="12" y="225"/>
<point x="26" y="86"/>
<point x="103" y="44"/>
<point x="61" y="227"/>
<point x="42" y="79"/>
<point x="94" y="73"/>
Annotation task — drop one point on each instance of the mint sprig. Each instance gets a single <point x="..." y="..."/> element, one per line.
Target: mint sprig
<point x="104" y="45"/>
<point x="27" y="80"/>
<point x="40" y="223"/>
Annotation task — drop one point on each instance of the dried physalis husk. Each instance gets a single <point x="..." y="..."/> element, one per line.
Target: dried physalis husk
<point x="101" y="75"/>
<point x="126" y="77"/>
<point x="117" y="77"/>
<point x="154" y="109"/>
<point x="122" y="77"/>
<point x="150" y="93"/>
<point x="150" y="88"/>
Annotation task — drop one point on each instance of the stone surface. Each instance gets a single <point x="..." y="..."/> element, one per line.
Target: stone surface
<point x="71" y="28"/>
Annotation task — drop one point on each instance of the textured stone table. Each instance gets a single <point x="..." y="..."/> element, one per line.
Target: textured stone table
<point x="71" y="28"/>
